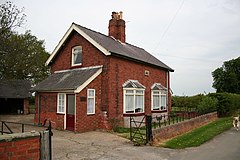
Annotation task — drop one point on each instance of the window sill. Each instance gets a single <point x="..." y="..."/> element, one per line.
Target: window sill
<point x="76" y="66"/>
<point x="90" y="114"/>
<point x="60" y="113"/>
<point x="159" y="111"/>
<point x="133" y="114"/>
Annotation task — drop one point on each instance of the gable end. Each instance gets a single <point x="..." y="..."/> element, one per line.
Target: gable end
<point x="72" y="28"/>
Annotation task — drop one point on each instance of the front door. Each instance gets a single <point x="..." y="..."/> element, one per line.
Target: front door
<point x="70" y="119"/>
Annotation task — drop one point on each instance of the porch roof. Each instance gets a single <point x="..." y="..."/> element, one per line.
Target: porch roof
<point x="68" y="80"/>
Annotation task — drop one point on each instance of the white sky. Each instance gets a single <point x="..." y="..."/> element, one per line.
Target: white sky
<point x="194" y="37"/>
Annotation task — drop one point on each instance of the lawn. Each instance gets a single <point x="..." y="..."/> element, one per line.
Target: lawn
<point x="200" y="135"/>
<point x="139" y="136"/>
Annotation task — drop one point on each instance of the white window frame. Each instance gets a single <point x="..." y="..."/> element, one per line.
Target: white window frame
<point x="61" y="111"/>
<point x="134" y="94"/>
<point x="160" y="94"/>
<point x="91" y="97"/>
<point x="76" y="47"/>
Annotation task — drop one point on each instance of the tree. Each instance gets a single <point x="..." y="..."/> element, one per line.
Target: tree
<point x="25" y="58"/>
<point x="227" y="77"/>
<point x="22" y="56"/>
<point x="11" y="18"/>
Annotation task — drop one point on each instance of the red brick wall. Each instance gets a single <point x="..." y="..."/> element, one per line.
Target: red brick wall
<point x="20" y="149"/>
<point x="48" y="110"/>
<point x="86" y="122"/>
<point x="171" y="131"/>
<point x="121" y="70"/>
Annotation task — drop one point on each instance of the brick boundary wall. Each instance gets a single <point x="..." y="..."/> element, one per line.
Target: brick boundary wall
<point x="20" y="146"/>
<point x="164" y="133"/>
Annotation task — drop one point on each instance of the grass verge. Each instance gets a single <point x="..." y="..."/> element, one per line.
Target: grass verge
<point x="200" y="135"/>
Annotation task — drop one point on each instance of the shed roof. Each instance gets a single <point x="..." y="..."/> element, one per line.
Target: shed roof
<point x="69" y="80"/>
<point x="15" y="88"/>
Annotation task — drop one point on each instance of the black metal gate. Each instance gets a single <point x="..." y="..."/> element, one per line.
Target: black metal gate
<point x="141" y="131"/>
<point x="45" y="135"/>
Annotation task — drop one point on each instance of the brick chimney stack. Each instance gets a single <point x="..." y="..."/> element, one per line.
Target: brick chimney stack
<point x="116" y="27"/>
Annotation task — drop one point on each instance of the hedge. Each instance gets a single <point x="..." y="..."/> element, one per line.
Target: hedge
<point x="226" y="104"/>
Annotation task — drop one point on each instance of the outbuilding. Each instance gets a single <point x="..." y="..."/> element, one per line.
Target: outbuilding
<point x="14" y="96"/>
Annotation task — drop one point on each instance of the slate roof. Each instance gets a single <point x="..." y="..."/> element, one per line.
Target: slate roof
<point x="67" y="80"/>
<point x="123" y="49"/>
<point x="15" y="89"/>
<point x="158" y="86"/>
<point x="133" y="84"/>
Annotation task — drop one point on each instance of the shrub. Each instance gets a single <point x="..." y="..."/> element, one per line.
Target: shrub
<point x="207" y="105"/>
<point x="185" y="103"/>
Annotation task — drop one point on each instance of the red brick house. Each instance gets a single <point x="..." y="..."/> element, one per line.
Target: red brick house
<point x="97" y="80"/>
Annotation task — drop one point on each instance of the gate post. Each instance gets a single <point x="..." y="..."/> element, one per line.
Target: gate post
<point x="149" y="136"/>
<point x="50" y="139"/>
<point x="131" y="128"/>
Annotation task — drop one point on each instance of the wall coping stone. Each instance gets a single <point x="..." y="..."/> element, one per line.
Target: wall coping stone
<point x="18" y="136"/>
<point x="155" y="131"/>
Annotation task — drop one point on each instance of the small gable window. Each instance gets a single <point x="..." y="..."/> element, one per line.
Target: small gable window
<point x="133" y="97"/>
<point x="159" y="97"/>
<point x="76" y="55"/>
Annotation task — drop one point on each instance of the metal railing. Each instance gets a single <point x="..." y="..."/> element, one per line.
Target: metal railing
<point x="141" y="130"/>
<point x="5" y="124"/>
<point x="170" y="119"/>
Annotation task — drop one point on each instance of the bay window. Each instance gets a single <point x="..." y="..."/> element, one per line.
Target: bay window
<point x="159" y="97"/>
<point x="133" y="97"/>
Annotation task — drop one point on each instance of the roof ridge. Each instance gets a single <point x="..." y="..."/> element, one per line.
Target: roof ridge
<point x="91" y="30"/>
<point x="111" y="37"/>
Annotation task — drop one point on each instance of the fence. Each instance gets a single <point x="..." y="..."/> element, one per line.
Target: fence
<point x="170" y="131"/>
<point x="45" y="135"/>
<point x="141" y="132"/>
<point x="169" y="119"/>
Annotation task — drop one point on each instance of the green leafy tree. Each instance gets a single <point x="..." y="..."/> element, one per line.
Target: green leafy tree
<point x="207" y="105"/>
<point x="227" y="77"/>
<point x="25" y="58"/>
<point x="22" y="56"/>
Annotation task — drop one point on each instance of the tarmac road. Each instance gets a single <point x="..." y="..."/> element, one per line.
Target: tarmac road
<point x="223" y="147"/>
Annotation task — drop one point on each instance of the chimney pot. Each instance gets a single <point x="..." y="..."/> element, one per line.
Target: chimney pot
<point x="120" y="13"/>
